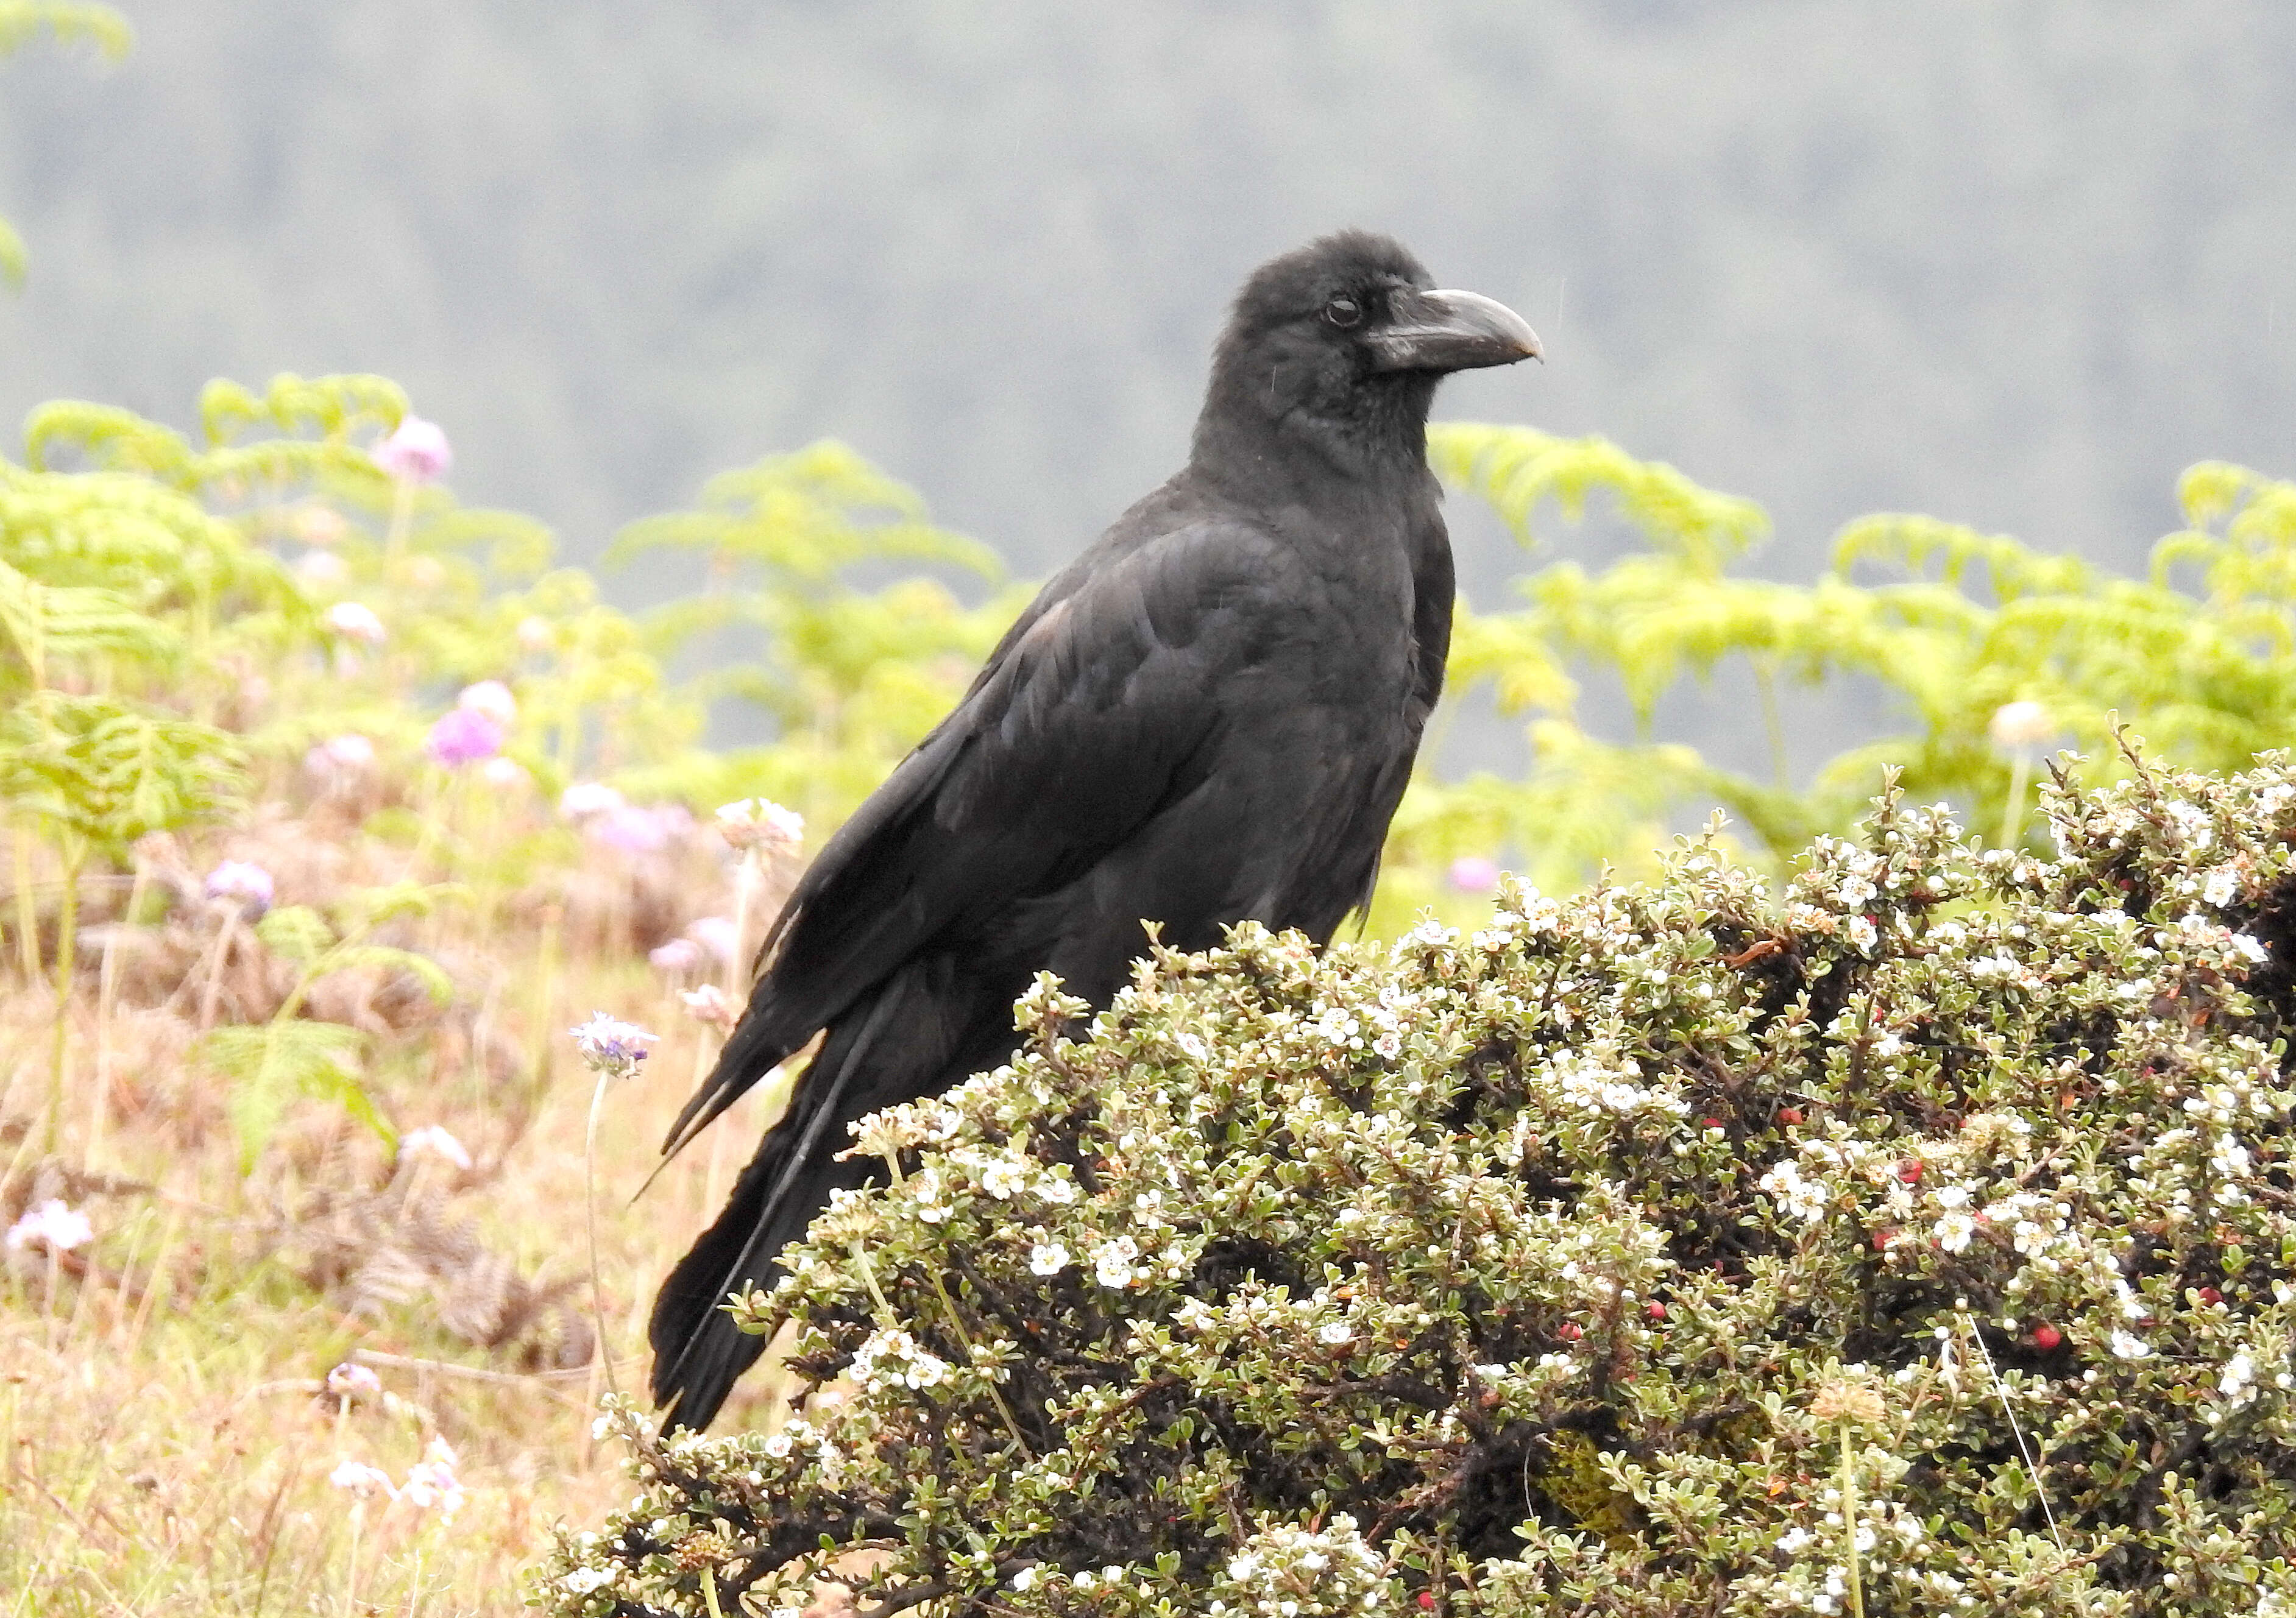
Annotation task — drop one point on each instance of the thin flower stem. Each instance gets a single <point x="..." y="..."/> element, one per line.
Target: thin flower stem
<point x="2013" y="810"/>
<point x="2024" y="1451"/>
<point x="1850" y="1526"/>
<point x="590" y="1214"/>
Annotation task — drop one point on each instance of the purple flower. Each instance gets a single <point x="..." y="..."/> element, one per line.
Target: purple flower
<point x="1473" y="873"/>
<point x="610" y="1047"/>
<point x="465" y="736"/>
<point x="715" y="935"/>
<point x="245" y="885"/>
<point x="416" y="452"/>
<point x="677" y="957"/>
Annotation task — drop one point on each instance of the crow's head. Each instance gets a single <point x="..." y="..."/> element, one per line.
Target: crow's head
<point x="1348" y="336"/>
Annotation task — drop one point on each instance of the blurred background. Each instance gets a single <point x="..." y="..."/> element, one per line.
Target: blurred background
<point x="2015" y="264"/>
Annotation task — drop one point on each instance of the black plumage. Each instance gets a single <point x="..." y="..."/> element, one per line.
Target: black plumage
<point x="1208" y="716"/>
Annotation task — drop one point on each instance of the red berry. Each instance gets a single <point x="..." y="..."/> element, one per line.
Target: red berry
<point x="1909" y="1170"/>
<point x="1426" y="1601"/>
<point x="1882" y="1238"/>
<point x="1570" y="1331"/>
<point x="1714" y="1123"/>
<point x="1789" y="1115"/>
<point x="2045" y="1337"/>
<point x="2209" y="1295"/>
<point x="1655" y="1309"/>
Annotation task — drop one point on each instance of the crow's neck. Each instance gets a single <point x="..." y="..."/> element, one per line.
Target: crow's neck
<point x="1370" y="445"/>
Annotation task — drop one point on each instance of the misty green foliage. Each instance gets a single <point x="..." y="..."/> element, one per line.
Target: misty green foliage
<point x="1951" y="624"/>
<point x="165" y="666"/>
<point x="66" y="21"/>
<point x="849" y="677"/>
<point x="1917" y="1230"/>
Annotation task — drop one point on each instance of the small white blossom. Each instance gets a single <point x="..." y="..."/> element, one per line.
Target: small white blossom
<point x="52" y="1226"/>
<point x="1047" y="1258"/>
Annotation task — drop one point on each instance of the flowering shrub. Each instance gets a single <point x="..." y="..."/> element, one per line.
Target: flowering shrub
<point x="1912" y="1237"/>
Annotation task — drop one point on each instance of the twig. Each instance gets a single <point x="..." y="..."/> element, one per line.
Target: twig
<point x="2033" y="1468"/>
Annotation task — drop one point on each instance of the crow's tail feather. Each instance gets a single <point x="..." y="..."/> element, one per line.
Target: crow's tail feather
<point x="697" y="1349"/>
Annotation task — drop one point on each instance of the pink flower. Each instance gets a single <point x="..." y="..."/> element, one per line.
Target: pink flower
<point x="677" y="957"/>
<point x="586" y="799"/>
<point x="416" y="452"/>
<point x="635" y="830"/>
<point x="52" y="1226"/>
<point x="355" y="622"/>
<point x="464" y="736"/>
<point x="1473" y="873"/>
<point x="715" y="935"/>
<point x="491" y="698"/>
<point x="241" y="883"/>
<point x="757" y="822"/>
<point x="708" y="1004"/>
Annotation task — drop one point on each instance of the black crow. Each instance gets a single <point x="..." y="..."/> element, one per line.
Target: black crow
<point x="1207" y="717"/>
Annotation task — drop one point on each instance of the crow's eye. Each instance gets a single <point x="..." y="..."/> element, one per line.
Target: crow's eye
<point x="1343" y="313"/>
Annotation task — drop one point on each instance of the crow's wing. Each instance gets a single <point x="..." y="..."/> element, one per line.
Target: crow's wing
<point x="1079" y="731"/>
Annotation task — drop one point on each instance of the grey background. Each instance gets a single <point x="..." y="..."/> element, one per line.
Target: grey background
<point x="2013" y="263"/>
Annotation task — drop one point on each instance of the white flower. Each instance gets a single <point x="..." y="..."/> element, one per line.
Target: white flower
<point x="1003" y="1177"/>
<point x="2128" y="1345"/>
<point x="1047" y="1258"/>
<point x="1052" y="1189"/>
<point x="2018" y="727"/>
<point x="433" y="1486"/>
<point x="491" y="698"/>
<point x="437" y="1141"/>
<point x="588" y="798"/>
<point x="2237" y="1376"/>
<point x="362" y="1480"/>
<point x="1336" y="1333"/>
<point x="2222" y="886"/>
<point x="1954" y="1230"/>
<point x="51" y="1225"/>
<point x="356" y="622"/>
<point x="1795" y="1539"/>
<point x="1861" y="932"/>
<point x="1113" y="1261"/>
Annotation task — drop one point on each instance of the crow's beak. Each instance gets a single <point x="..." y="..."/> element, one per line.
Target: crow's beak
<point x="1450" y="331"/>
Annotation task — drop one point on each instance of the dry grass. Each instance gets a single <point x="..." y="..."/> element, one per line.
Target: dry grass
<point x="168" y="1436"/>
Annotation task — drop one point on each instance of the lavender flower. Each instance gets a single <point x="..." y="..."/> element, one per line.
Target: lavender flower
<point x="715" y="935"/>
<point x="51" y="1226"/>
<point x="612" y="1048"/>
<point x="347" y="1379"/>
<point x="243" y="883"/>
<point x="357" y="1477"/>
<point x="756" y="821"/>
<point x="354" y="621"/>
<point x="678" y="957"/>
<point x="1473" y="873"/>
<point x="431" y="1483"/>
<point x="416" y="452"/>
<point x="647" y="831"/>
<point x="464" y="736"/>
